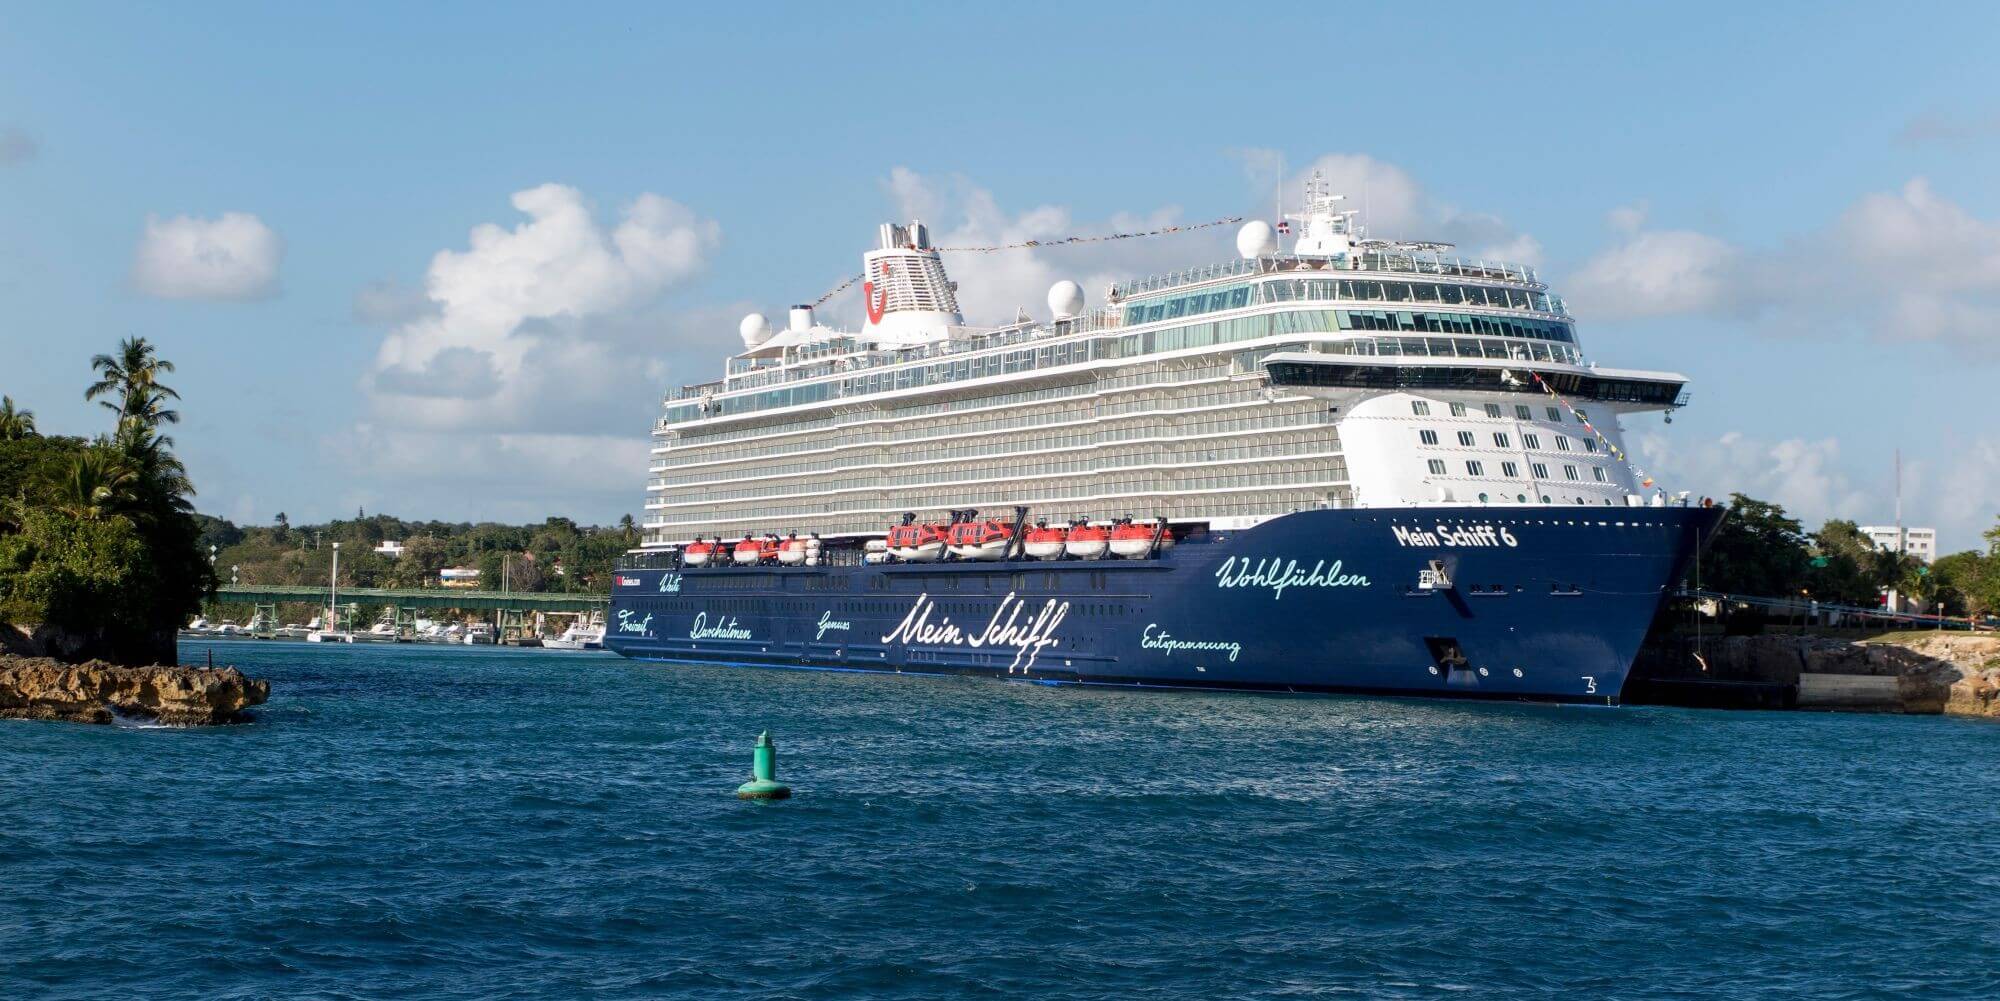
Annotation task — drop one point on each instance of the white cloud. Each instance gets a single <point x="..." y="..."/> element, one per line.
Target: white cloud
<point x="1628" y="219"/>
<point x="534" y="362"/>
<point x="1655" y="274"/>
<point x="1803" y="475"/>
<point x="16" y="146"/>
<point x="231" y="258"/>
<point x="1934" y="128"/>
<point x="545" y="290"/>
<point x="1932" y="269"/>
<point x="991" y="287"/>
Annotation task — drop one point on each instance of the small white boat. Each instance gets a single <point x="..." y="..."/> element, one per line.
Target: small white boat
<point x="329" y="636"/>
<point x="480" y="634"/>
<point x="579" y="636"/>
<point x="380" y="632"/>
<point x="198" y="628"/>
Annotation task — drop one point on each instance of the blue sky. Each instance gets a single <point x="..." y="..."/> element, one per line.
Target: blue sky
<point x="1793" y="205"/>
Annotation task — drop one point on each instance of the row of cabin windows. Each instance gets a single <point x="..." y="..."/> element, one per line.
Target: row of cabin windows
<point x="1502" y="440"/>
<point x="1474" y="467"/>
<point x="1422" y="408"/>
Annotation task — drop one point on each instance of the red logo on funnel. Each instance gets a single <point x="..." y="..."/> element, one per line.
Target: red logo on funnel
<point x="875" y="308"/>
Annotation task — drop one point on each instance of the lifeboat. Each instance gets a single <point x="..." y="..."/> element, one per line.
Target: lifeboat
<point x="1135" y="539"/>
<point x="792" y="551"/>
<point x="750" y="552"/>
<point x="697" y="553"/>
<point x="975" y="539"/>
<point x="917" y="543"/>
<point x="1045" y="543"/>
<point x="1087" y="541"/>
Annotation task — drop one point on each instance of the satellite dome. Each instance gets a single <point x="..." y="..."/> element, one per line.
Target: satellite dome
<point x="1065" y="299"/>
<point x="1256" y="239"/>
<point x="755" y="330"/>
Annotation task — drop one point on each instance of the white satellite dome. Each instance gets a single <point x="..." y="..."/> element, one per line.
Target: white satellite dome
<point x="755" y="330"/>
<point x="1256" y="239"/>
<point x="1065" y="299"/>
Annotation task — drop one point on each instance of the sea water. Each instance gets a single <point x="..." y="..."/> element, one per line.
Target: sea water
<point x="430" y="822"/>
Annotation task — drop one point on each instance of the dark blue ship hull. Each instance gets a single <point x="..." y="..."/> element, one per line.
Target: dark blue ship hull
<point x="1548" y="604"/>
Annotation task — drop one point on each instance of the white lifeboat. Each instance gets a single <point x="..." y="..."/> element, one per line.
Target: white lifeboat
<point x="1087" y="541"/>
<point x="697" y="553"/>
<point x="1044" y="542"/>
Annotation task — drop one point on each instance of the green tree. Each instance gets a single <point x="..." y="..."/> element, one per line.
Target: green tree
<point x="1964" y="582"/>
<point x="15" y="424"/>
<point x="1759" y="550"/>
<point x="97" y="485"/>
<point x="132" y="375"/>
<point x="1843" y="565"/>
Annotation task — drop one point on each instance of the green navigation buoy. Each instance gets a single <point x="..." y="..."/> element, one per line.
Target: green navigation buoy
<point x="764" y="782"/>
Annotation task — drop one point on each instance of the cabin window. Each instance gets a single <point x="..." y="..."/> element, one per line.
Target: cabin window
<point x="1437" y="467"/>
<point x="1493" y="410"/>
<point x="1570" y="472"/>
<point x="1500" y="440"/>
<point x="1428" y="437"/>
<point x="1562" y="443"/>
<point x="1555" y="415"/>
<point x="1590" y="444"/>
<point x="1541" y="473"/>
<point x="1420" y="408"/>
<point x="1510" y="469"/>
<point x="1521" y="412"/>
<point x="1458" y="410"/>
<point x="1474" y="468"/>
<point x="1465" y="438"/>
<point x="1532" y="440"/>
<point x="1597" y="471"/>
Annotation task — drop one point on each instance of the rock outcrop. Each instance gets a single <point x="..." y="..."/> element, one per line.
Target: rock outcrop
<point x="1957" y="674"/>
<point x="95" y="692"/>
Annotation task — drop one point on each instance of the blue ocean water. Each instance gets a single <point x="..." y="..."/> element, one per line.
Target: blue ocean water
<point x="434" y="822"/>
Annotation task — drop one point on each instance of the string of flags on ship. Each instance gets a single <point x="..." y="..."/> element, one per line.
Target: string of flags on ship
<point x="1645" y="481"/>
<point x="1034" y="244"/>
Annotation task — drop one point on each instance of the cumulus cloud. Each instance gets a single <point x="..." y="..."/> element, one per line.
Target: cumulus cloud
<point x="540" y="347"/>
<point x="991" y="287"/>
<point x="1933" y="273"/>
<point x="541" y="290"/>
<point x="230" y="258"/>
<point x="1803" y="475"/>
<point x="16" y="146"/>
<point x="1656" y="274"/>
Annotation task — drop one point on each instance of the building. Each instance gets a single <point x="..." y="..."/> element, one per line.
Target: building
<point x="393" y="550"/>
<point x="459" y="577"/>
<point x="1918" y="542"/>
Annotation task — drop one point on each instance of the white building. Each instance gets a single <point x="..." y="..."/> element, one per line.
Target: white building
<point x="1918" y="542"/>
<point x="393" y="550"/>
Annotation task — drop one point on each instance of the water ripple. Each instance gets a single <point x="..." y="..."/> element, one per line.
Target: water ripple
<point x="425" y="822"/>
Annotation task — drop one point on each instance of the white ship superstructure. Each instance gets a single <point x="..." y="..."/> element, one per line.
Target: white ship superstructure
<point x="1347" y="372"/>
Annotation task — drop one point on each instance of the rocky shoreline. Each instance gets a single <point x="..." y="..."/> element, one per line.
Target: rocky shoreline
<point x="98" y="692"/>
<point x="1954" y="674"/>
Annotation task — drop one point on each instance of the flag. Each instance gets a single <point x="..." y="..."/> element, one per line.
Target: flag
<point x="1284" y="226"/>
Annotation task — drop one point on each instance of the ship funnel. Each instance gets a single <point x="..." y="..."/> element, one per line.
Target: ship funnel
<point x="802" y="318"/>
<point x="908" y="298"/>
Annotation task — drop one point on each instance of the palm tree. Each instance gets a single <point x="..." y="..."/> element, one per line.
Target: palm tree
<point x="15" y="424"/>
<point x="626" y="525"/>
<point x="149" y="457"/>
<point x="95" y="485"/>
<point x="133" y="374"/>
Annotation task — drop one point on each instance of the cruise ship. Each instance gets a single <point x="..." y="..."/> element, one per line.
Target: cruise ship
<point x="1350" y="465"/>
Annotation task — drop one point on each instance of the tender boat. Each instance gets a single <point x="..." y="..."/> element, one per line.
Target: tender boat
<point x="977" y="539"/>
<point x="697" y="553"/>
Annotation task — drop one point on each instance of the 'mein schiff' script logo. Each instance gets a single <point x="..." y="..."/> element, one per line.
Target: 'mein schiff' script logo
<point x="1005" y="629"/>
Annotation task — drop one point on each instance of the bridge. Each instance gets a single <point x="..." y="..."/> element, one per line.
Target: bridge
<point x="465" y="600"/>
<point x="517" y="613"/>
